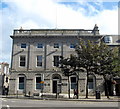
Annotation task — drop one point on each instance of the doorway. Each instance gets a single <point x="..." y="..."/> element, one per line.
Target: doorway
<point x="55" y="87"/>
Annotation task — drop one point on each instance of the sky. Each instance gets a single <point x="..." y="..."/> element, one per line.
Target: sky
<point x="52" y="14"/>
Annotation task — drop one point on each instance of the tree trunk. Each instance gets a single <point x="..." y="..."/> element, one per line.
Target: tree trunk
<point x="87" y="86"/>
<point x="77" y="87"/>
<point x="106" y="86"/>
<point x="68" y="88"/>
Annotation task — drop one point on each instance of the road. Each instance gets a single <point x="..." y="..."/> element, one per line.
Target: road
<point x="55" y="104"/>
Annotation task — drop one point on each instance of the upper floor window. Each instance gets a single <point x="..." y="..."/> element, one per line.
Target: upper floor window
<point x="23" y="45"/>
<point x="56" y="61"/>
<point x="39" y="45"/>
<point x="22" y="61"/>
<point x="56" y="45"/>
<point x="39" y="60"/>
<point x="72" y="45"/>
<point x="108" y="39"/>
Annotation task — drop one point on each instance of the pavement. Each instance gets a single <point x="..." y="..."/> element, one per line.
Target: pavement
<point x="81" y="98"/>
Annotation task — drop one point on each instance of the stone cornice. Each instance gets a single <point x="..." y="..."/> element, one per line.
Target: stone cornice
<point x="54" y="33"/>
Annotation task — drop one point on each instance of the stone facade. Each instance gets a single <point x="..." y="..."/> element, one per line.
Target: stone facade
<point x="4" y="77"/>
<point x="52" y="42"/>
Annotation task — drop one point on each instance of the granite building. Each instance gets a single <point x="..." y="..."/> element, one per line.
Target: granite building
<point x="35" y="60"/>
<point x="4" y="77"/>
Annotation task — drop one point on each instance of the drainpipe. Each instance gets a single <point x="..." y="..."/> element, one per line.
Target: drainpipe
<point x="62" y="50"/>
<point x="45" y="51"/>
<point x="12" y="55"/>
<point x="28" y="57"/>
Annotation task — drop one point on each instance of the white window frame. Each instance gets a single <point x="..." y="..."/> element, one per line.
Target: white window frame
<point x="55" y="44"/>
<point x="25" y="61"/>
<point x="71" y="82"/>
<point x="53" y="60"/>
<point x="35" y="82"/>
<point x="72" y="44"/>
<point x="21" y="46"/>
<point x="18" y="83"/>
<point x="93" y="78"/>
<point x="41" y="44"/>
<point x="42" y="79"/>
<point x="41" y="60"/>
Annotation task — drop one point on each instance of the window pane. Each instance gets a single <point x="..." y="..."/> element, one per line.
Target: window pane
<point x="22" y="60"/>
<point x="90" y="85"/>
<point x="21" y="85"/>
<point x="39" y="60"/>
<point x="21" y="82"/>
<point x="72" y="45"/>
<point x="23" y="45"/>
<point x="73" y="83"/>
<point x="56" y="61"/>
<point x="38" y="84"/>
<point x="21" y="79"/>
<point x="73" y="79"/>
<point x="40" y="46"/>
<point x="38" y="79"/>
<point x="56" y="45"/>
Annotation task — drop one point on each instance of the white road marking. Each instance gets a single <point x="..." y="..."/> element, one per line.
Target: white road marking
<point x="8" y="107"/>
<point x="3" y="99"/>
<point x="13" y="101"/>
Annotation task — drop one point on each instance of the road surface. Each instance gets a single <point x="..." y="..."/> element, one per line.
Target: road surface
<point x="55" y="104"/>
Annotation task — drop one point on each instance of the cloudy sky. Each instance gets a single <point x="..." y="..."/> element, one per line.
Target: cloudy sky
<point x="37" y="14"/>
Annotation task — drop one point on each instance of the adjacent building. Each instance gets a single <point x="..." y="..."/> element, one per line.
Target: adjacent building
<point x="4" y="77"/>
<point x="35" y="60"/>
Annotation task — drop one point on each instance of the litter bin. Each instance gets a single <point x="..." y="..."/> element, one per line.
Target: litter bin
<point x="98" y="94"/>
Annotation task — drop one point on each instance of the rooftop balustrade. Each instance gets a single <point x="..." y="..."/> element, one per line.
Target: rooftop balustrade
<point x="52" y="32"/>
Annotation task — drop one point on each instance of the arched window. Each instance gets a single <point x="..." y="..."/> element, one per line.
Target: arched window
<point x="39" y="81"/>
<point x="21" y="82"/>
<point x="91" y="82"/>
<point x="73" y="82"/>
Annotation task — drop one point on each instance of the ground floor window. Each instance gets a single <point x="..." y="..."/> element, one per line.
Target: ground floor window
<point x="73" y="82"/>
<point x="90" y="83"/>
<point x="21" y="83"/>
<point x="38" y="82"/>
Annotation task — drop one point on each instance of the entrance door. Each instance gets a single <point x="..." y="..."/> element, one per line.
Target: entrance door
<point x="54" y="86"/>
